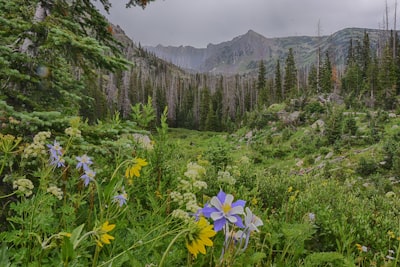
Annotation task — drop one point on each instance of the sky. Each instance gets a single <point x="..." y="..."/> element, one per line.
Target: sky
<point x="200" y="22"/>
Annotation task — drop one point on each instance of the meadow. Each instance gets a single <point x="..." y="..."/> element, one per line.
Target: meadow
<point x="271" y="193"/>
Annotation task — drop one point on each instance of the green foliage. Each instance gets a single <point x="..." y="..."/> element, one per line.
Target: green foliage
<point x="144" y="114"/>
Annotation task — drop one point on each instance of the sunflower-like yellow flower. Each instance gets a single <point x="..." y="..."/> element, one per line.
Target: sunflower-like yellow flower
<point x="200" y="237"/>
<point x="135" y="168"/>
<point x="104" y="237"/>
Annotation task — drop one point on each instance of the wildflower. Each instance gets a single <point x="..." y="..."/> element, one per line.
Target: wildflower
<point x="88" y="176"/>
<point x="23" y="186"/>
<point x="73" y="132"/>
<point x="389" y="256"/>
<point x="104" y="236"/>
<point x="121" y="198"/>
<point x="55" y="191"/>
<point x="199" y="237"/>
<point x="55" y="149"/>
<point x="180" y="214"/>
<point x="391" y="234"/>
<point x="251" y="223"/>
<point x="362" y="248"/>
<point x="59" y="162"/>
<point x="311" y="217"/>
<point x="56" y="152"/>
<point x="83" y="162"/>
<point x="134" y="170"/>
<point x="38" y="145"/>
<point x="222" y="210"/>
<point x="290" y="189"/>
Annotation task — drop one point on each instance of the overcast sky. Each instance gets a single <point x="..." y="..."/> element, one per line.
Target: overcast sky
<point x="200" y="22"/>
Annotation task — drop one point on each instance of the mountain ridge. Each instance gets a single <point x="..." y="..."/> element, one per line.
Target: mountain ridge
<point x="241" y="54"/>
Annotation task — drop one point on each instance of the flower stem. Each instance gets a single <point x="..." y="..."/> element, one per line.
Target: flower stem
<point x="170" y="245"/>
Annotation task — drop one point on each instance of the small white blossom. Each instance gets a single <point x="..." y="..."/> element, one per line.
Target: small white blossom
<point x="23" y="186"/>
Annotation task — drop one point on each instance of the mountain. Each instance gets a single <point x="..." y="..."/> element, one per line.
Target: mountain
<point x="242" y="54"/>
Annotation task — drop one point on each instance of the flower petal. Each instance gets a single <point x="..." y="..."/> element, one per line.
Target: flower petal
<point x="221" y="197"/>
<point x="217" y="215"/>
<point x="216" y="202"/>
<point x="219" y="224"/>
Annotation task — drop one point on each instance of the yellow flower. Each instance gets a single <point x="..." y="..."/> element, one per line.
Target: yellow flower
<point x="134" y="170"/>
<point x="65" y="234"/>
<point x="391" y="234"/>
<point x="200" y="237"/>
<point x="290" y="189"/>
<point x="104" y="237"/>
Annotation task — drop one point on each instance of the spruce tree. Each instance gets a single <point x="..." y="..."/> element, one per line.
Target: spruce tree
<point x="278" y="82"/>
<point x="290" y="80"/>
<point x="326" y="81"/>
<point x="261" y="85"/>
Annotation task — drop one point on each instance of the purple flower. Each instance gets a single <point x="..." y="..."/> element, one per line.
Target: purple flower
<point x="251" y="223"/>
<point x="55" y="155"/>
<point x="121" y="198"/>
<point x="223" y="210"/>
<point x="58" y="161"/>
<point x="84" y="162"/>
<point x="55" y="149"/>
<point x="88" y="176"/>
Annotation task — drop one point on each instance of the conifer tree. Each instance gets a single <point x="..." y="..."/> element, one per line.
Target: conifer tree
<point x="204" y="108"/>
<point x="261" y="84"/>
<point x="312" y="80"/>
<point x="326" y="81"/>
<point x="290" y="80"/>
<point x="48" y="50"/>
<point x="278" y="88"/>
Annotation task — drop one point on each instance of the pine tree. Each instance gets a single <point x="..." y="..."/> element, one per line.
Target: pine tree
<point x="261" y="85"/>
<point x="326" y="81"/>
<point x="204" y="108"/>
<point x="290" y="80"/>
<point x="62" y="42"/>
<point x="278" y="82"/>
<point x="312" y="80"/>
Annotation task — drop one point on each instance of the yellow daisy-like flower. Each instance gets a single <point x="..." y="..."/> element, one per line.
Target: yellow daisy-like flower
<point x="104" y="237"/>
<point x="134" y="170"/>
<point x="200" y="237"/>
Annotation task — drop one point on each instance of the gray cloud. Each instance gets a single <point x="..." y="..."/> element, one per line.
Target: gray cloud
<point x="199" y="22"/>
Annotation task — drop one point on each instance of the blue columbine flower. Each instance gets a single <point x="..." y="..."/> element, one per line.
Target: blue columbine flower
<point x="84" y="162"/>
<point x="88" y="176"/>
<point x="222" y="210"/>
<point x="251" y="223"/>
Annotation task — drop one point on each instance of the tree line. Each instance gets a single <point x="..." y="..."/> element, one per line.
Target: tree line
<point x="66" y="56"/>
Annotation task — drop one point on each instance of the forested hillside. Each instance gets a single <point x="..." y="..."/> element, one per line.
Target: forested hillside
<point x="73" y="61"/>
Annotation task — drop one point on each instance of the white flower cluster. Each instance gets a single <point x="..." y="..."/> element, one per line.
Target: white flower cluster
<point x="194" y="171"/>
<point x="226" y="178"/>
<point x="188" y="187"/>
<point x="73" y="132"/>
<point x="23" y="186"/>
<point x="55" y="191"/>
<point x="143" y="141"/>
<point x="38" y="146"/>
<point x="180" y="214"/>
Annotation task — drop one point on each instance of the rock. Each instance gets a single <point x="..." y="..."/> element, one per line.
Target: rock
<point x="329" y="155"/>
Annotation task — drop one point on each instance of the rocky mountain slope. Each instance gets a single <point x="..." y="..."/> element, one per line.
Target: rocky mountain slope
<point x="242" y="54"/>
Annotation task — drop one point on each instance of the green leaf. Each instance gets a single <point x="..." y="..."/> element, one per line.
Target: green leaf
<point x="75" y="234"/>
<point x="4" y="260"/>
<point x="67" y="250"/>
